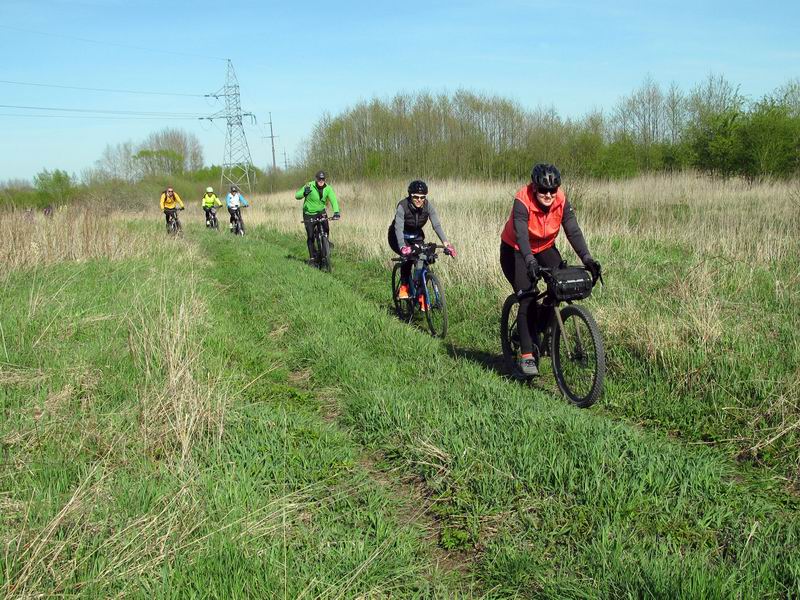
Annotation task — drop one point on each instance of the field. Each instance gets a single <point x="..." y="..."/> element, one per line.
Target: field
<point x="209" y="416"/>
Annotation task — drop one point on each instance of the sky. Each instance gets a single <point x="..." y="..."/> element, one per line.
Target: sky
<point x="299" y="60"/>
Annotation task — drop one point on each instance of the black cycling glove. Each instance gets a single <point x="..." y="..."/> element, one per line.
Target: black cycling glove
<point x="533" y="267"/>
<point x="594" y="268"/>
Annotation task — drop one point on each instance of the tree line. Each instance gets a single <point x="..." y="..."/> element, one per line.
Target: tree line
<point x="712" y="128"/>
<point x="163" y="157"/>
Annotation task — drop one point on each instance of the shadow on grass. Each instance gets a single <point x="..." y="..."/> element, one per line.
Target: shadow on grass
<point x="494" y="362"/>
<point x="488" y="360"/>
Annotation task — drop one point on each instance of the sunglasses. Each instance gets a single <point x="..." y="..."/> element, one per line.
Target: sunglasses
<point x="547" y="191"/>
<point x="418" y="196"/>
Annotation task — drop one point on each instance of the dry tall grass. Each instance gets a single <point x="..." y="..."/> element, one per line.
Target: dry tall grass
<point x="730" y="219"/>
<point x="31" y="239"/>
<point x="177" y="407"/>
<point x="181" y="403"/>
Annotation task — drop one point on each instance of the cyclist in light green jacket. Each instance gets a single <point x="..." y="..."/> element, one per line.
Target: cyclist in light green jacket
<point x="210" y="201"/>
<point x="315" y="196"/>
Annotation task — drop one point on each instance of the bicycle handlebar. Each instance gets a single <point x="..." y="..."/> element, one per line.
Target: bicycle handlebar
<point x="417" y="249"/>
<point x="312" y="219"/>
<point x="547" y="275"/>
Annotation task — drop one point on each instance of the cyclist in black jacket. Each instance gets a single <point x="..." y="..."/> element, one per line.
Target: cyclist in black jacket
<point x="412" y="213"/>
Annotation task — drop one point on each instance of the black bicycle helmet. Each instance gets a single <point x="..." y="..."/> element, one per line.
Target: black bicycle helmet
<point x="320" y="175"/>
<point x="417" y="187"/>
<point x="234" y="189"/>
<point x="545" y="177"/>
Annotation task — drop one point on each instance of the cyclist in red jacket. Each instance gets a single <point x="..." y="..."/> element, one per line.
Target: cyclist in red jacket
<point x="528" y="241"/>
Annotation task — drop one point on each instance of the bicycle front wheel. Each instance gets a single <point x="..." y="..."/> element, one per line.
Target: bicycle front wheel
<point x="324" y="254"/>
<point x="436" y="309"/>
<point x="404" y="309"/>
<point x="579" y="361"/>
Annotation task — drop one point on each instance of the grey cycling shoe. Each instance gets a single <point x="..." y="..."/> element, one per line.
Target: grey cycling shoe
<point x="527" y="366"/>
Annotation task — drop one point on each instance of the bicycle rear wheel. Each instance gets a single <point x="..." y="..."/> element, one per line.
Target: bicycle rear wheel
<point x="436" y="311"/>
<point x="404" y="309"/>
<point x="578" y="356"/>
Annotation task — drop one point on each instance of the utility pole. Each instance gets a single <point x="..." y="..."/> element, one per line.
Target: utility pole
<point x="272" y="137"/>
<point x="285" y="160"/>
<point x="237" y="165"/>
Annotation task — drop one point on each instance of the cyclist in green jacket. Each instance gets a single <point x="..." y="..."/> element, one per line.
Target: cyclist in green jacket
<point x="315" y="196"/>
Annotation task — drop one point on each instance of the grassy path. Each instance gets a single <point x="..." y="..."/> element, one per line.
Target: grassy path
<point x="154" y="443"/>
<point x="214" y="418"/>
<point x="555" y="501"/>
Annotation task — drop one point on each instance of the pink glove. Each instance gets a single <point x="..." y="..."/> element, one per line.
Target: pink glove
<point x="449" y="249"/>
<point x="405" y="250"/>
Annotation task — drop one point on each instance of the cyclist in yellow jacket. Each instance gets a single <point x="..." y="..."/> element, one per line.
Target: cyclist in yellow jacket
<point x="169" y="203"/>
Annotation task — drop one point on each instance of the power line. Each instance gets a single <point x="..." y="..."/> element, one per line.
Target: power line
<point x="90" y="89"/>
<point x="99" y="117"/>
<point x="128" y="46"/>
<point x="103" y="111"/>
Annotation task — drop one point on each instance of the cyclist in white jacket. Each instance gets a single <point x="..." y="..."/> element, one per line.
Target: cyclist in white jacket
<point x="234" y="201"/>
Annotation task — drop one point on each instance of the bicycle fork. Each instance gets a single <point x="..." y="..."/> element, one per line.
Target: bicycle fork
<point x="563" y="329"/>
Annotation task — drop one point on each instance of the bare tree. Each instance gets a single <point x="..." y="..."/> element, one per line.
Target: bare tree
<point x="713" y="96"/>
<point x="675" y="113"/>
<point x="169" y="144"/>
<point x="789" y="95"/>
<point x="645" y="109"/>
<point x="117" y="162"/>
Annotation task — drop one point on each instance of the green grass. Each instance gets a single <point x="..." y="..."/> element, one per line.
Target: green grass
<point x="99" y="498"/>
<point x="554" y="500"/>
<point x="218" y="419"/>
<point x="725" y="377"/>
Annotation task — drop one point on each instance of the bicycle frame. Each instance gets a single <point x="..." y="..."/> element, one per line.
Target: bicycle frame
<point x="318" y="231"/>
<point x="420" y="274"/>
<point x="539" y="299"/>
<point x="174" y="224"/>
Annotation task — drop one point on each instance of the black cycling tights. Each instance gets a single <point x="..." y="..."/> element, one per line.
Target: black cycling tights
<point x="516" y="272"/>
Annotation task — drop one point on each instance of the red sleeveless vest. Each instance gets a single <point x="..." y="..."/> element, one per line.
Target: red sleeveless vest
<point x="543" y="226"/>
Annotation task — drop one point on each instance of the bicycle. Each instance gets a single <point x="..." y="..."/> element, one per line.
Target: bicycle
<point x="173" y="223"/>
<point x="211" y="218"/>
<point x="320" y="241"/>
<point x="571" y="337"/>
<point x="426" y="292"/>
<point x="238" y="223"/>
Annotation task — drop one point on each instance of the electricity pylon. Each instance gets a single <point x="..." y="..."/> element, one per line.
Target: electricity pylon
<point x="237" y="166"/>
